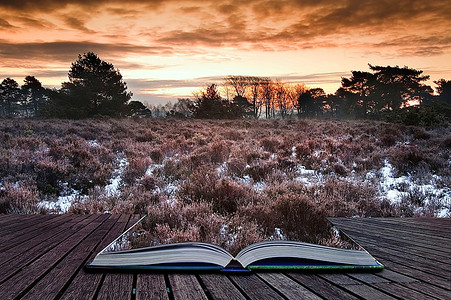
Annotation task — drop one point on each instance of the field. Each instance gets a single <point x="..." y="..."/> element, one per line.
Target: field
<point x="227" y="182"/>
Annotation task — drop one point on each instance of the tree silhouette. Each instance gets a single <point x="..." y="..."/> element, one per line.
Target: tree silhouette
<point x="138" y="109"/>
<point x="387" y="89"/>
<point x="96" y="87"/>
<point x="396" y="86"/>
<point x="33" y="94"/>
<point x="444" y="90"/>
<point x="10" y="97"/>
<point x="210" y="105"/>
<point x="241" y="107"/>
<point x="311" y="101"/>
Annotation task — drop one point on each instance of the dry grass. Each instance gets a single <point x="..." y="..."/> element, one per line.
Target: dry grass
<point x="226" y="182"/>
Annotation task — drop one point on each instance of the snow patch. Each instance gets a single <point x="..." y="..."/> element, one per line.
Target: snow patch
<point x="246" y="179"/>
<point x="395" y="189"/>
<point x="222" y="169"/>
<point x="151" y="168"/>
<point x="93" y="143"/>
<point x="301" y="170"/>
<point x="112" y="189"/>
<point x="62" y="204"/>
<point x="259" y="186"/>
<point x="293" y="152"/>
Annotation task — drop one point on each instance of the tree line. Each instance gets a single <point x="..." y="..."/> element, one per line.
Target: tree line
<point x="96" y="88"/>
<point x="387" y="93"/>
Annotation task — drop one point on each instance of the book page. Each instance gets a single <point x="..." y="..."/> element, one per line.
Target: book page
<point x="140" y="236"/>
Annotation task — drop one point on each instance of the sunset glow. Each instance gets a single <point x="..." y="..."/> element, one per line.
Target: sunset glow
<point x="170" y="49"/>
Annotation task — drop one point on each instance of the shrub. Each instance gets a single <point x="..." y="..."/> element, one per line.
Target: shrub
<point x="270" y="144"/>
<point x="219" y="152"/>
<point x="223" y="194"/>
<point x="157" y="156"/>
<point x="20" y="198"/>
<point x="146" y="136"/>
<point x="136" y="168"/>
<point x="236" y="167"/>
<point x="260" y="172"/>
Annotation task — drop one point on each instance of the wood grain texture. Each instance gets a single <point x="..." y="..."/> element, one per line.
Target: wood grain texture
<point x="42" y="257"/>
<point x="186" y="286"/>
<point x="151" y="286"/>
<point x="220" y="287"/>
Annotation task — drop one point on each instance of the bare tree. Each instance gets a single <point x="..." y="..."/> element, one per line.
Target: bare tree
<point x="256" y="84"/>
<point x="239" y="83"/>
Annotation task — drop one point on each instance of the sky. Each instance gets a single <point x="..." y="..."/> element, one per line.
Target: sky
<point x="167" y="49"/>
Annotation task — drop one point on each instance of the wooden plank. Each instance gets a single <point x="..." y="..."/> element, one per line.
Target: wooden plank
<point x="287" y="287"/>
<point x="418" y="244"/>
<point x="439" y="268"/>
<point x="28" y="225"/>
<point x="34" y="222"/>
<point x="185" y="287"/>
<point x="368" y="278"/>
<point x="118" y="286"/>
<point x="395" y="277"/>
<point x="396" y="249"/>
<point x="151" y="286"/>
<point x="433" y="226"/>
<point x="85" y="284"/>
<point x="220" y="287"/>
<point x="253" y="287"/>
<point x="396" y="236"/>
<point x="26" y="277"/>
<point x="61" y="274"/>
<point x="421" y="276"/>
<point x="429" y="289"/>
<point x="428" y="226"/>
<point x="355" y="287"/>
<point x="121" y="283"/>
<point x="408" y="224"/>
<point x="399" y="239"/>
<point x="7" y="220"/>
<point x="21" y="259"/>
<point x="338" y="279"/>
<point x="415" y="247"/>
<point x="402" y="292"/>
<point x="321" y="286"/>
<point x="31" y="241"/>
<point x="367" y="292"/>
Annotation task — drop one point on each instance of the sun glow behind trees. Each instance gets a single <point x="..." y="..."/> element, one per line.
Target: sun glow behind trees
<point x="163" y="48"/>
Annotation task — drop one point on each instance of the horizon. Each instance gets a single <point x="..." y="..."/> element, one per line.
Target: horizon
<point x="169" y="49"/>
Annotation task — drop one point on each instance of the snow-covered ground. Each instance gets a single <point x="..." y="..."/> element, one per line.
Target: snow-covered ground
<point x="62" y="203"/>
<point x="395" y="189"/>
<point x="113" y="188"/>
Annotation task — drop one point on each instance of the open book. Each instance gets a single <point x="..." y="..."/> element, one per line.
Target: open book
<point x="122" y="253"/>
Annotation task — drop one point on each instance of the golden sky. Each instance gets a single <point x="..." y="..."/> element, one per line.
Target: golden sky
<point x="168" y="49"/>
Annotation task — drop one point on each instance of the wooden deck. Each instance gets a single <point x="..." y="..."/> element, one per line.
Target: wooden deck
<point x="42" y="257"/>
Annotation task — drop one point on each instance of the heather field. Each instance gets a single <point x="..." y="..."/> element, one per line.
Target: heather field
<point x="226" y="182"/>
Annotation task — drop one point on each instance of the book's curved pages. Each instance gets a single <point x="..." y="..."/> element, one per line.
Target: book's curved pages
<point x="266" y="255"/>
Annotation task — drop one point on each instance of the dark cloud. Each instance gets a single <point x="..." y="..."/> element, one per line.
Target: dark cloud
<point x="28" y="22"/>
<point x="315" y="78"/>
<point x="49" y="5"/>
<point x="415" y="45"/>
<point x="77" y="24"/>
<point x="65" y="51"/>
<point x="304" y="22"/>
<point x="5" y="24"/>
<point x="277" y="22"/>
